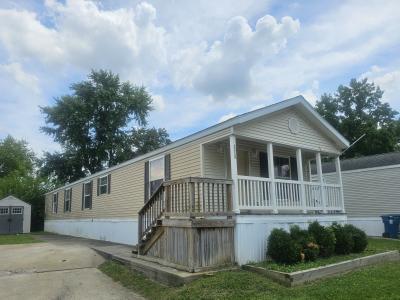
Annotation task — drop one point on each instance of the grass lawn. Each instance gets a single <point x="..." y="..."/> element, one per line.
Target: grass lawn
<point x="375" y="245"/>
<point x="377" y="282"/>
<point x="18" y="239"/>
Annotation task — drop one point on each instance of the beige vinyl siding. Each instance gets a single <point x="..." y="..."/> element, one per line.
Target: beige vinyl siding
<point x="214" y="161"/>
<point x="127" y="185"/>
<point x="274" y="128"/>
<point x="371" y="193"/>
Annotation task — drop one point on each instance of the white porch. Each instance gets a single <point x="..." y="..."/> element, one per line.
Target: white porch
<point x="271" y="178"/>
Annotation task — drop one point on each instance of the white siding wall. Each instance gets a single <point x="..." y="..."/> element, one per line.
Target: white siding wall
<point x="123" y="231"/>
<point x="370" y="193"/>
<point x="252" y="232"/>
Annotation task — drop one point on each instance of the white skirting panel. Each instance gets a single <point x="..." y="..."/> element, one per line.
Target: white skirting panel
<point x="252" y="231"/>
<point x="122" y="231"/>
<point x="372" y="226"/>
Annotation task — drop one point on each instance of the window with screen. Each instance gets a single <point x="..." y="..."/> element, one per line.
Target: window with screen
<point x="55" y="203"/>
<point x="156" y="173"/>
<point x="103" y="185"/>
<point x="67" y="199"/>
<point x="87" y="195"/>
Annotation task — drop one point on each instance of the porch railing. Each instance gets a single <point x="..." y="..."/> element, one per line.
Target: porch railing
<point x="185" y="197"/>
<point x="197" y="195"/>
<point x="256" y="193"/>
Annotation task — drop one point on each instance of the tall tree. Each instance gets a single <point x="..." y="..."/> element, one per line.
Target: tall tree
<point x="18" y="177"/>
<point x="357" y="109"/>
<point x="15" y="157"/>
<point x="93" y="125"/>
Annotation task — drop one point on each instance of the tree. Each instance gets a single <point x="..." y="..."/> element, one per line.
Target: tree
<point x="93" y="126"/>
<point x="15" y="156"/>
<point x="145" y="140"/>
<point x="357" y="109"/>
<point x="18" y="177"/>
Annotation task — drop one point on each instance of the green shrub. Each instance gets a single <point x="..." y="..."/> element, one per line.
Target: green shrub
<point x="324" y="237"/>
<point x="360" y="239"/>
<point x="344" y="239"/>
<point x="300" y="236"/>
<point x="311" y="252"/>
<point x="282" y="249"/>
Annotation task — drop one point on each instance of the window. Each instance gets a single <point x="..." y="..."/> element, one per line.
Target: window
<point x="156" y="176"/>
<point x="3" y="210"/>
<point x="282" y="167"/>
<point x="103" y="185"/>
<point x="87" y="195"/>
<point x="16" y="210"/>
<point x="55" y="203"/>
<point x="67" y="200"/>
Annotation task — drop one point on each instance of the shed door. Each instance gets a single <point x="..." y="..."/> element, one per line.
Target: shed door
<point x="11" y="219"/>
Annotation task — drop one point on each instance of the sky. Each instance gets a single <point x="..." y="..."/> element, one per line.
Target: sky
<point x="202" y="61"/>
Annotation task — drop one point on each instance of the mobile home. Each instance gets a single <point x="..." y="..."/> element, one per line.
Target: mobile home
<point x="211" y="198"/>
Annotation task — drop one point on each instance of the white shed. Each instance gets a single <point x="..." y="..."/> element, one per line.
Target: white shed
<point x="15" y="216"/>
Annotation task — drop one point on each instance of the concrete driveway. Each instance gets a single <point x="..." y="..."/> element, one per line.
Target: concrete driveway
<point x="60" y="268"/>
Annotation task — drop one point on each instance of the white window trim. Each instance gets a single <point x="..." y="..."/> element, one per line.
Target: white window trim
<point x="85" y="195"/>
<point x="163" y="163"/>
<point x="19" y="209"/>
<point x="100" y="185"/>
<point x="4" y="208"/>
<point x="69" y="200"/>
<point x="54" y="203"/>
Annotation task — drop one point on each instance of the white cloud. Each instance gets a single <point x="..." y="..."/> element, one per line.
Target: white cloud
<point x="19" y="106"/>
<point x="85" y="37"/>
<point x="226" y="117"/>
<point x="311" y="94"/>
<point x="389" y="81"/>
<point x="158" y="102"/>
<point x="225" y="68"/>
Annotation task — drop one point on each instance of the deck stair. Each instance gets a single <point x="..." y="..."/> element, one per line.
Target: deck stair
<point x="183" y="218"/>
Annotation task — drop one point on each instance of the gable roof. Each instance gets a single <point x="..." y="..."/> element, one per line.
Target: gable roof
<point x="365" y="162"/>
<point x="298" y="101"/>
<point x="14" y="199"/>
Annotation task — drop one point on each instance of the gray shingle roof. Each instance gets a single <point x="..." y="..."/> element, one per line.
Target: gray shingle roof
<point x="371" y="161"/>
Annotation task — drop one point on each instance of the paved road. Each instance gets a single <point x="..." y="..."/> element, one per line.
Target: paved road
<point x="60" y="268"/>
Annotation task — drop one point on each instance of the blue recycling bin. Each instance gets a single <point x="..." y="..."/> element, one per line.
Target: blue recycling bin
<point x="391" y="223"/>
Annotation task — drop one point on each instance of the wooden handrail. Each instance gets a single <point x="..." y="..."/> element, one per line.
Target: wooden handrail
<point x="185" y="196"/>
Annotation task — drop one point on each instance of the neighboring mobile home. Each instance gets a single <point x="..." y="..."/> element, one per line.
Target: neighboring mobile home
<point x="212" y="197"/>
<point x="371" y="187"/>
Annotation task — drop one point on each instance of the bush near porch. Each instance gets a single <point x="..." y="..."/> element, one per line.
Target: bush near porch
<point x="374" y="282"/>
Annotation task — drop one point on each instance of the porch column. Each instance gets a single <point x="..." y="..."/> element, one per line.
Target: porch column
<point x="339" y="177"/>
<point x="234" y="174"/>
<point x="321" y="181"/>
<point x="271" y="173"/>
<point x="300" y="177"/>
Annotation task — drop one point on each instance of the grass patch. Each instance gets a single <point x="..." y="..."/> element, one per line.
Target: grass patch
<point x="134" y="280"/>
<point x="375" y="245"/>
<point x="375" y="282"/>
<point x="18" y="239"/>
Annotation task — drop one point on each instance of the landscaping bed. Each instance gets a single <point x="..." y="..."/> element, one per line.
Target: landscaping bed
<point x="375" y="246"/>
<point x="311" y="274"/>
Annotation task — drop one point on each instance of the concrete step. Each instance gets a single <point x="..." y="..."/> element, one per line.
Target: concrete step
<point x="152" y="270"/>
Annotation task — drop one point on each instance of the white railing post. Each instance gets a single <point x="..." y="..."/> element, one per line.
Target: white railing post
<point x="271" y="174"/>
<point x="321" y="181"/>
<point x="339" y="177"/>
<point x="300" y="177"/>
<point x="234" y="174"/>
